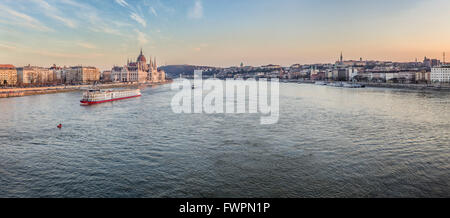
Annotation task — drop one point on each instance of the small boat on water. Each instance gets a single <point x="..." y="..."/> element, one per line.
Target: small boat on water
<point x="353" y="85"/>
<point x="321" y="83"/>
<point x="337" y="84"/>
<point x="97" y="96"/>
<point x="346" y="85"/>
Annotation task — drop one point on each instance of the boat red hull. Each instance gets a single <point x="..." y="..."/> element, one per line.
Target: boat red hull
<point x="99" y="102"/>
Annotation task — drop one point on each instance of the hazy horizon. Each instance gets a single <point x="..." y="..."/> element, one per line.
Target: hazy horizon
<point x="221" y="32"/>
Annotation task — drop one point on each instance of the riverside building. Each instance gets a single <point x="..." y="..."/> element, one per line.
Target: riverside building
<point x="139" y="71"/>
<point x="440" y="74"/>
<point x="29" y="75"/>
<point x="8" y="75"/>
<point x="80" y="74"/>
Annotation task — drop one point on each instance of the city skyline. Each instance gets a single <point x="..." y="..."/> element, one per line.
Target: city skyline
<point x="220" y="33"/>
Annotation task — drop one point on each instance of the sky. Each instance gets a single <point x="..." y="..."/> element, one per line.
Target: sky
<point x="222" y="33"/>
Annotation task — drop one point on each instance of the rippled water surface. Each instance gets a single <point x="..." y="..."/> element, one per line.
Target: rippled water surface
<point x="329" y="142"/>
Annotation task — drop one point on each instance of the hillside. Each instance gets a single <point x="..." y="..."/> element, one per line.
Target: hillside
<point x="174" y="71"/>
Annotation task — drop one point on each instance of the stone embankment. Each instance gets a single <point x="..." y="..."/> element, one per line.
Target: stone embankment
<point x="19" y="92"/>
<point x="433" y="86"/>
<point x="439" y="87"/>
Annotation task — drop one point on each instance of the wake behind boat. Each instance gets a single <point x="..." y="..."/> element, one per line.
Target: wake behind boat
<point x="97" y="96"/>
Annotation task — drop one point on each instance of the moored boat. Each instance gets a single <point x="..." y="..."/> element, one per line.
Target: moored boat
<point x="337" y="84"/>
<point x="97" y="96"/>
<point x="321" y="83"/>
<point x="353" y="85"/>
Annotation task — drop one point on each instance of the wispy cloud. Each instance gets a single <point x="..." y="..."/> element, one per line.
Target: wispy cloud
<point x="122" y="2"/>
<point x="76" y="4"/>
<point x="153" y="11"/>
<point x="86" y="45"/>
<point x="196" y="12"/>
<point x="107" y="30"/>
<point x="53" y="12"/>
<point x="141" y="37"/>
<point x="121" y="24"/>
<point x="6" y="46"/>
<point x="138" y="19"/>
<point x="18" y="18"/>
<point x="136" y="12"/>
<point x="56" y="54"/>
<point x="95" y="23"/>
<point x="48" y="52"/>
<point x="161" y="5"/>
<point x="66" y="21"/>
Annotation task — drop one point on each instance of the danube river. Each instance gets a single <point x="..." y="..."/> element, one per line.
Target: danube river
<point x="329" y="142"/>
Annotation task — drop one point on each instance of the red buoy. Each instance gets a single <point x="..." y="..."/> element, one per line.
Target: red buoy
<point x="59" y="126"/>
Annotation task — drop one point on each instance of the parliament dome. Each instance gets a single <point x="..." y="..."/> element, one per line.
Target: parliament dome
<point x="142" y="58"/>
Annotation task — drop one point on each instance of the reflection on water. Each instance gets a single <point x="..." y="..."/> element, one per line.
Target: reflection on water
<point x="329" y="142"/>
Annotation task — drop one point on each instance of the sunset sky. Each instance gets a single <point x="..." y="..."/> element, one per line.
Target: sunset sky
<point x="103" y="33"/>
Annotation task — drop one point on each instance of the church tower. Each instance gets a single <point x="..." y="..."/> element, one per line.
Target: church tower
<point x="150" y="64"/>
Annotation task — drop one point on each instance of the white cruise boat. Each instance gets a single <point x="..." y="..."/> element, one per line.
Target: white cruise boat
<point x="97" y="96"/>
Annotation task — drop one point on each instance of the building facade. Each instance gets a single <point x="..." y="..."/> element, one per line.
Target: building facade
<point x="58" y="74"/>
<point x="431" y="62"/>
<point x="106" y="76"/>
<point x="34" y="75"/>
<point x="80" y="74"/>
<point x="352" y="73"/>
<point x="119" y="74"/>
<point x="440" y="74"/>
<point x="138" y="71"/>
<point x="339" y="74"/>
<point x="8" y="75"/>
<point x="423" y="77"/>
<point x="407" y="76"/>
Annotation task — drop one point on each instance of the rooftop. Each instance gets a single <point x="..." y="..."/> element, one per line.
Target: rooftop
<point x="7" y="66"/>
<point x="85" y="67"/>
<point x="443" y="66"/>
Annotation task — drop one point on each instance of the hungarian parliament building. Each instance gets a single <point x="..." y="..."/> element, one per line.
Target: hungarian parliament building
<point x="139" y="71"/>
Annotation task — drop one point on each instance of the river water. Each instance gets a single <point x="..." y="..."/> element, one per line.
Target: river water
<point x="329" y="142"/>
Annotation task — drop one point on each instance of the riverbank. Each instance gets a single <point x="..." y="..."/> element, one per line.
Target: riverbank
<point x="435" y="87"/>
<point x="20" y="92"/>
